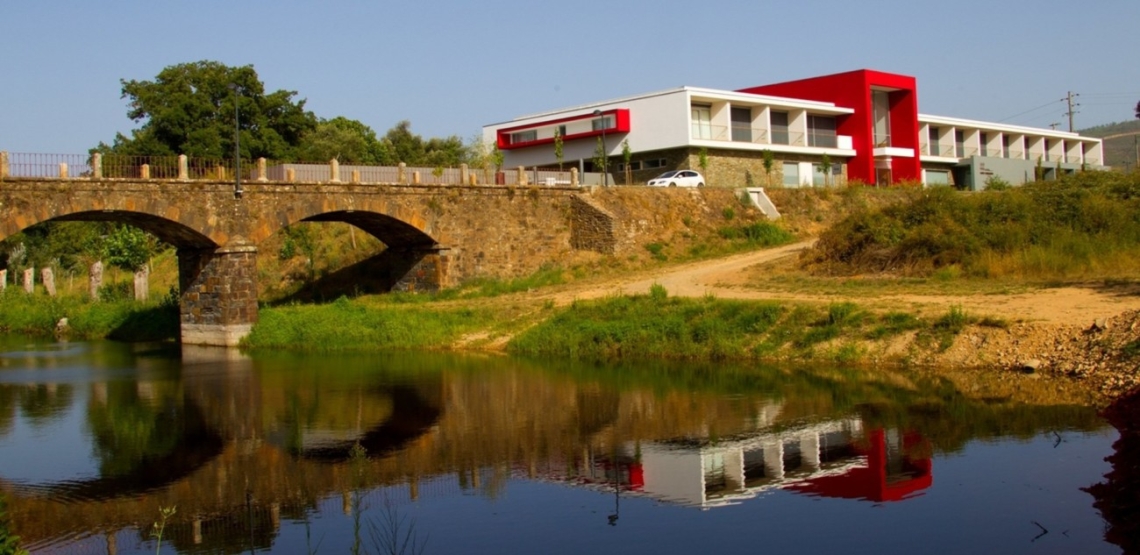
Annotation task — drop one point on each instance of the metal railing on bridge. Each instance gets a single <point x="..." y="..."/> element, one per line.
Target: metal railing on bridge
<point x="185" y="168"/>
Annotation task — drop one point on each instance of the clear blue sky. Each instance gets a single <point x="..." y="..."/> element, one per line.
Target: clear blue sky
<point x="451" y="67"/>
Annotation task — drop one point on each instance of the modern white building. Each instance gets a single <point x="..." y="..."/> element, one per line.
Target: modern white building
<point x="862" y="125"/>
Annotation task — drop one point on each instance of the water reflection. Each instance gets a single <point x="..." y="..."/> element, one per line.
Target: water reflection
<point x="241" y="445"/>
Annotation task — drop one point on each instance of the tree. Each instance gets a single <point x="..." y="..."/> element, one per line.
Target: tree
<point x="769" y="162"/>
<point x="600" y="160"/>
<point x="129" y="248"/>
<point x="558" y="147"/>
<point x="1138" y="110"/>
<point x="402" y="145"/>
<point x="626" y="158"/>
<point x="825" y="167"/>
<point x="190" y="108"/>
<point x="347" y="140"/>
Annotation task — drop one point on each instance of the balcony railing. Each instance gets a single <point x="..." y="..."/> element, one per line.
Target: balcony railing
<point x="757" y="135"/>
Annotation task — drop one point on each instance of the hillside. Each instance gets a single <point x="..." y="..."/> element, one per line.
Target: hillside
<point x="1120" y="149"/>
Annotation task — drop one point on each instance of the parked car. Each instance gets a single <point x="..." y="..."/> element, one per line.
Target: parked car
<point x="679" y="178"/>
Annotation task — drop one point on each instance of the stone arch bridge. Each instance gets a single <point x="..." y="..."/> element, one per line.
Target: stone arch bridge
<point x="436" y="235"/>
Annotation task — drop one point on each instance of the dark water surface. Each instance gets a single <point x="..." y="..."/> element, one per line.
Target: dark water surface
<point x="289" y="453"/>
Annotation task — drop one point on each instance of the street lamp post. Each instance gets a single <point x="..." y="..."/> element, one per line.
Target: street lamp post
<point x="237" y="143"/>
<point x="605" y="153"/>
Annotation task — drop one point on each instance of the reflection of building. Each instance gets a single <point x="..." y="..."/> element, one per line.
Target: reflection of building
<point x="831" y="459"/>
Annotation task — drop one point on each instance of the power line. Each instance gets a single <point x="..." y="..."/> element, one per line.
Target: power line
<point x="1032" y="110"/>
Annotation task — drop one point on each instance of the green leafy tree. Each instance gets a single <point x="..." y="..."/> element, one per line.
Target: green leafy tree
<point x="347" y="140"/>
<point x="402" y="145"/>
<point x="768" y="160"/>
<point x="626" y="158"/>
<point x="825" y="167"/>
<point x="129" y="248"/>
<point x="600" y="159"/>
<point x="558" y="147"/>
<point x="189" y="109"/>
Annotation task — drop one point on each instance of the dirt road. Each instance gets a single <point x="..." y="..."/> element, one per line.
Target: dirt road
<point x="729" y="278"/>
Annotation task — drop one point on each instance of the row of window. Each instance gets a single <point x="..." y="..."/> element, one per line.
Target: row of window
<point x="1005" y="150"/>
<point x="643" y="164"/>
<point x="596" y="124"/>
<point x="821" y="130"/>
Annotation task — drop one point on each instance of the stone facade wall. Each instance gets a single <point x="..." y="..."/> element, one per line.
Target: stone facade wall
<point x="593" y="228"/>
<point x="728" y="168"/>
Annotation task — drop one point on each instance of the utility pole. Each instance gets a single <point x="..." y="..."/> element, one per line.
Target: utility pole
<point x="1069" y="99"/>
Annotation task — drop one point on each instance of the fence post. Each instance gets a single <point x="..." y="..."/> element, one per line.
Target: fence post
<point x="221" y="172"/>
<point x="402" y="173"/>
<point x="573" y="177"/>
<point x="63" y="170"/>
<point x="3" y="280"/>
<point x="183" y="168"/>
<point x="463" y="173"/>
<point x="334" y="171"/>
<point x="97" y="165"/>
<point x="29" y="280"/>
<point x="261" y="171"/>
<point x="48" y="279"/>
<point x="415" y="178"/>
<point x="356" y="176"/>
<point x="3" y="164"/>
<point x="144" y="171"/>
<point x="290" y="174"/>
<point x="522" y="176"/>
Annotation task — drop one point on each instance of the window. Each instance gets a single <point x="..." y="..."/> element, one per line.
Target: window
<point x="937" y="177"/>
<point x="524" y="136"/>
<point x="656" y="163"/>
<point x="742" y="124"/>
<point x="960" y="143"/>
<point x="881" y="112"/>
<point x="779" y="128"/>
<point x="821" y="131"/>
<point x="791" y="174"/>
<point x="1005" y="145"/>
<point x="985" y="146"/>
<point x="561" y="130"/>
<point x="702" y="122"/>
<point x="600" y="123"/>
<point x="932" y="137"/>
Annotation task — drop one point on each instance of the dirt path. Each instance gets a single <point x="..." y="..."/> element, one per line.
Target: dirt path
<point x="728" y="278"/>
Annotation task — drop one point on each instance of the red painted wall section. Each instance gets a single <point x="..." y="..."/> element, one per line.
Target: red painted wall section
<point x="852" y="89"/>
<point x="621" y="125"/>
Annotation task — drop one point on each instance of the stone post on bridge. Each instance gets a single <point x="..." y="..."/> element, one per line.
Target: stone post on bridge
<point x="218" y="294"/>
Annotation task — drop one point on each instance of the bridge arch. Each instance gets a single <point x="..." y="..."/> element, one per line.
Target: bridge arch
<point x="169" y="231"/>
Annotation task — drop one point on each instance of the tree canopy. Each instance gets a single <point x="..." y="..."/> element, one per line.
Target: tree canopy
<point x="190" y="109"/>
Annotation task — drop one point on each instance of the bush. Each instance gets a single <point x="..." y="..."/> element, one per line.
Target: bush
<point x="1066" y="228"/>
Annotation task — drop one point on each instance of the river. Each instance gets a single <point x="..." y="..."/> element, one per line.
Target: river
<point x="446" y="453"/>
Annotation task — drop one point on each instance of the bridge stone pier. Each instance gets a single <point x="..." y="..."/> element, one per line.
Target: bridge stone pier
<point x="436" y="235"/>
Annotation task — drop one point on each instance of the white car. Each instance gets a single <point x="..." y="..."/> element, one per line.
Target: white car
<point x="679" y="178"/>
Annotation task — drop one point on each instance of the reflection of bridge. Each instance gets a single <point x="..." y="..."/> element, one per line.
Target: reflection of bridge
<point x="435" y="235"/>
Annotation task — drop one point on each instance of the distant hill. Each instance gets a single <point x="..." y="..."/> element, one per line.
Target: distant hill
<point x="1120" y="150"/>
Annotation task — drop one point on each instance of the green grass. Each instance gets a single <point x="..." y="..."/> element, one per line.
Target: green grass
<point x="346" y="325"/>
<point x="656" y="326"/>
<point x="38" y="314"/>
<point x="1083" y="225"/>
